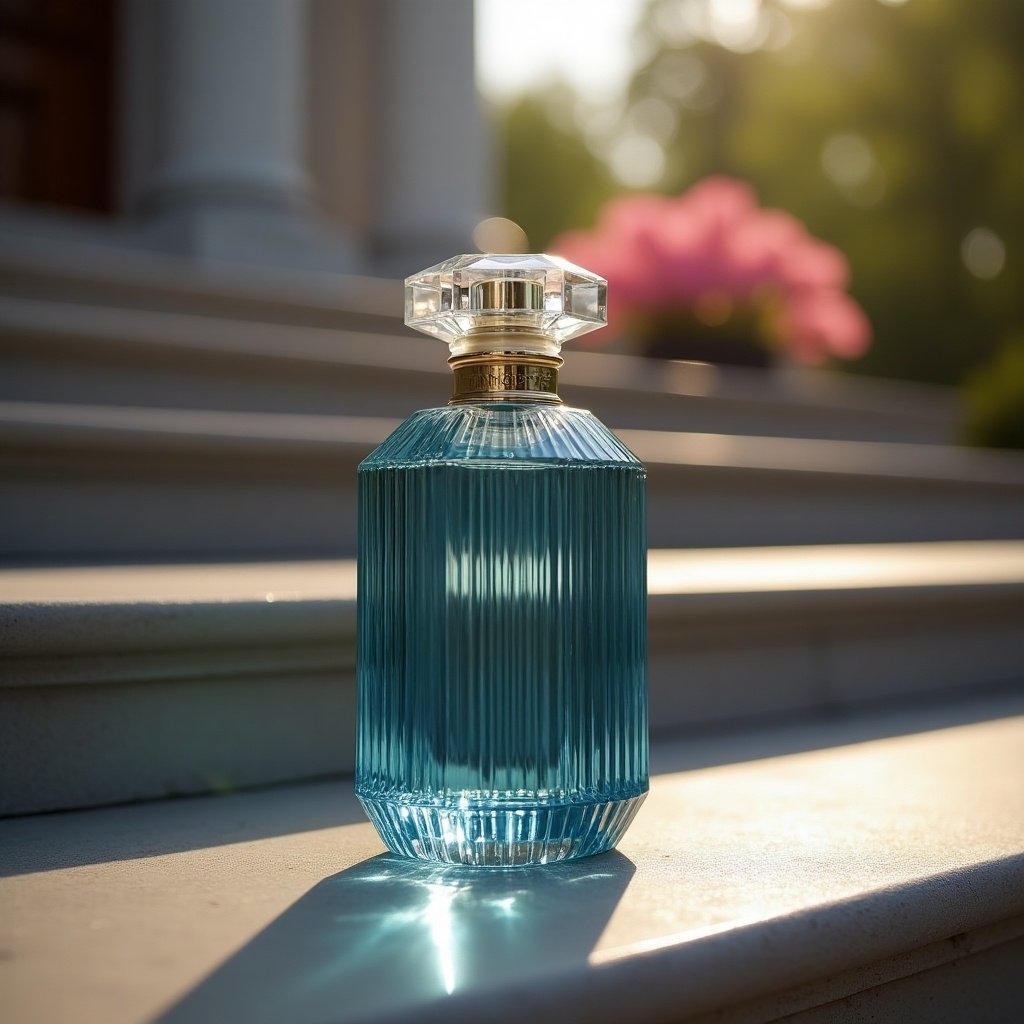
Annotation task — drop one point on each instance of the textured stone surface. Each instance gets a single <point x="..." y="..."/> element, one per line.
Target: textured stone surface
<point x="761" y="888"/>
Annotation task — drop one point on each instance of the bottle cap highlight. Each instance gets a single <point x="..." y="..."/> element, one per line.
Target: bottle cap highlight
<point x="483" y="303"/>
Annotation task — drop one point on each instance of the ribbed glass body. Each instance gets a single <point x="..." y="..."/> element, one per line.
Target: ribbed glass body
<point x="502" y="715"/>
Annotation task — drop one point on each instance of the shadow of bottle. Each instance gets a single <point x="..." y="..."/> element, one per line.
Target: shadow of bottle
<point x="389" y="934"/>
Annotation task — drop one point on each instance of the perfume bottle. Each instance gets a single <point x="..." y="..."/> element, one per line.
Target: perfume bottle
<point x="502" y="702"/>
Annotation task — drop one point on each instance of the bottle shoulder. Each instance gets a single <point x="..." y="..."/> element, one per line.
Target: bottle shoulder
<point x="505" y="432"/>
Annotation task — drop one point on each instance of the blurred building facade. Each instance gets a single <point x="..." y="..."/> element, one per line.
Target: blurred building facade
<point x="298" y="133"/>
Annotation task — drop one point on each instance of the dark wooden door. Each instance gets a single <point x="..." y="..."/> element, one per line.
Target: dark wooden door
<point x="56" y="102"/>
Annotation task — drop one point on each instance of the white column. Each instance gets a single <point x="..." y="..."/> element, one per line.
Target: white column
<point x="433" y="154"/>
<point x="227" y="179"/>
<point x="232" y="110"/>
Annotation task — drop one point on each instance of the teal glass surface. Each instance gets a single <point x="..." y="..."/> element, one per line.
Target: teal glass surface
<point x="502" y="707"/>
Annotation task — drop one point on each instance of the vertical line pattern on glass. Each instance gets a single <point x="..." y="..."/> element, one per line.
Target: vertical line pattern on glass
<point x="502" y="635"/>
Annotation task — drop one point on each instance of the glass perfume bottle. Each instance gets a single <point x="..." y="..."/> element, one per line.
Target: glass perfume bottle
<point x="502" y="705"/>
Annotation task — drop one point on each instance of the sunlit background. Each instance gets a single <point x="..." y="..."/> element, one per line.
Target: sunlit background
<point x="891" y="128"/>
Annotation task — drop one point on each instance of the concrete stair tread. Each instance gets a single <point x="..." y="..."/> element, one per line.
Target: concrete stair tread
<point x="128" y="277"/>
<point x="883" y="879"/>
<point x="836" y="568"/>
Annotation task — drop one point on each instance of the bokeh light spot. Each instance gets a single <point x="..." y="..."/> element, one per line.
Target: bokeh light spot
<point x="637" y="160"/>
<point x="499" y="234"/>
<point x="983" y="253"/>
<point x="847" y="160"/>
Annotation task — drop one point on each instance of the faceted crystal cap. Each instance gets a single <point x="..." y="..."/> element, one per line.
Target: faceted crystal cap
<point x="542" y="300"/>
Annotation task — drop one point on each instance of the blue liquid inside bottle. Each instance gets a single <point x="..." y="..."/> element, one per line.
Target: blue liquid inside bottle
<point x="502" y="715"/>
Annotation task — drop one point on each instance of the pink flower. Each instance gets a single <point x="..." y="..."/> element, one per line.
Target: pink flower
<point x="814" y="265"/>
<point x="664" y="255"/>
<point x="825" y="323"/>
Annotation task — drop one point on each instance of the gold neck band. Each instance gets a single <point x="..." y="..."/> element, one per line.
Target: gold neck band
<point x="505" y="376"/>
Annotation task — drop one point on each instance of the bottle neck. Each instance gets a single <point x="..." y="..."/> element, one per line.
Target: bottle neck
<point x="505" y="377"/>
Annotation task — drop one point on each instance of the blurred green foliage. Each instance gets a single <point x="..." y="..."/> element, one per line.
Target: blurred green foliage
<point x="894" y="132"/>
<point x="551" y="179"/>
<point x="995" y="399"/>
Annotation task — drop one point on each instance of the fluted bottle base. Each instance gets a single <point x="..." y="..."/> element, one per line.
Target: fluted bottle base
<point x="502" y="835"/>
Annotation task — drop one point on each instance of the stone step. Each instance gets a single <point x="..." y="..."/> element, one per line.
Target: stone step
<point x="131" y="682"/>
<point x="100" y="483"/>
<point x="326" y="361"/>
<point x="89" y="274"/>
<point x="878" y="881"/>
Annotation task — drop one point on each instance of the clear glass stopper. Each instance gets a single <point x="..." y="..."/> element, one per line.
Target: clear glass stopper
<point x="486" y="303"/>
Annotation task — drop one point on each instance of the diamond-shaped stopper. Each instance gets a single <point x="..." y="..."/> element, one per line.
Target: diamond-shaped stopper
<point x="530" y="302"/>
